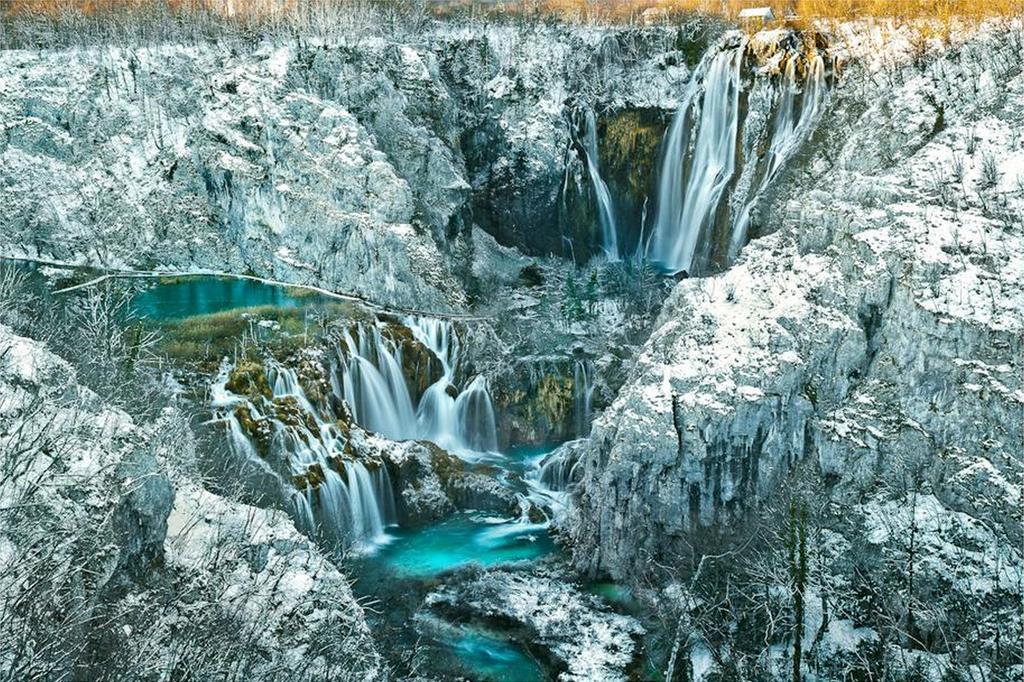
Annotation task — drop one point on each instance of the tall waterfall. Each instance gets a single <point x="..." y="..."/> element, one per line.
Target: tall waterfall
<point x="703" y="157"/>
<point x="583" y="397"/>
<point x="605" y="207"/>
<point x="692" y="183"/>
<point x="334" y="497"/>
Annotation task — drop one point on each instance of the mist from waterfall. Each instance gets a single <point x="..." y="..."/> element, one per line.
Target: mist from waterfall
<point x="605" y="206"/>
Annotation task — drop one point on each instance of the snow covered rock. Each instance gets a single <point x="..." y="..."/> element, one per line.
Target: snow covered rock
<point x="585" y="640"/>
<point x="101" y="521"/>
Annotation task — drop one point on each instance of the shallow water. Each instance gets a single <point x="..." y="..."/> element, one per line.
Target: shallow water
<point x="463" y="539"/>
<point x="400" y="572"/>
<point x="485" y="656"/>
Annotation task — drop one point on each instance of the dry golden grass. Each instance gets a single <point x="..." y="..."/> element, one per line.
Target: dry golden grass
<point x="621" y="10"/>
<point x="930" y="18"/>
<point x="833" y="10"/>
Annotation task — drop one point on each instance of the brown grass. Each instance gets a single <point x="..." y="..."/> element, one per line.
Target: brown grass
<point x="940" y="11"/>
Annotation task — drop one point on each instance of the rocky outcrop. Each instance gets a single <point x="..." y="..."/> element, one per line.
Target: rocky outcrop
<point x="875" y="289"/>
<point x="103" y="522"/>
<point x="578" y="635"/>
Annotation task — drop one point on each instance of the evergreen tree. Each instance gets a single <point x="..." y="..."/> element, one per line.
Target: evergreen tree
<point x="797" y="545"/>
<point x="572" y="304"/>
<point x="592" y="293"/>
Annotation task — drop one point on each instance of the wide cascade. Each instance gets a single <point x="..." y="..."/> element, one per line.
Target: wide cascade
<point x="698" y="224"/>
<point x="334" y="495"/>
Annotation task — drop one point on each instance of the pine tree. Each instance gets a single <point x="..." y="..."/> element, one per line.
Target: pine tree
<point x="572" y="305"/>
<point x="592" y="293"/>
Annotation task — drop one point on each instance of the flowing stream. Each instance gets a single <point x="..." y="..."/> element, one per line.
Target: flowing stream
<point x="290" y="438"/>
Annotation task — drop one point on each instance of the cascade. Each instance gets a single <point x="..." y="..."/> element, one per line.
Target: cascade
<point x="475" y="418"/>
<point x="605" y="207"/>
<point x="437" y="416"/>
<point x="334" y="497"/>
<point x="373" y="385"/>
<point x="583" y="394"/>
<point x="702" y="157"/>
<point x="693" y="183"/>
<point x="380" y="401"/>
<point x="340" y="500"/>
<point x="551" y="479"/>
<point x="558" y="470"/>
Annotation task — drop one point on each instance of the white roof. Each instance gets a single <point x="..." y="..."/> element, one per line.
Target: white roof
<point x="757" y="13"/>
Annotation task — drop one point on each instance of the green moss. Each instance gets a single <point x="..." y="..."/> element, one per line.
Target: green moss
<point x="313" y="380"/>
<point x="315" y="475"/>
<point x="554" y="397"/>
<point x="249" y="378"/>
<point x="313" y="478"/>
<point x="288" y="411"/>
<point x="259" y="431"/>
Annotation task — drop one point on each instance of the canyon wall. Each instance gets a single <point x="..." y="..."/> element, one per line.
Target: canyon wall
<point x="359" y="166"/>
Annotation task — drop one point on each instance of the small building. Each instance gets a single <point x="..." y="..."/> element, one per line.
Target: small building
<point x="761" y="16"/>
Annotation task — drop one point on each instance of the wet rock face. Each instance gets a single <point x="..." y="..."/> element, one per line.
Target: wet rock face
<point x="536" y="407"/>
<point x="875" y="332"/>
<point x="361" y="168"/>
<point x="629" y="143"/>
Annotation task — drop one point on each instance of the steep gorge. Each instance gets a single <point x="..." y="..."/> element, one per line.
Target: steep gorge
<point x="864" y="350"/>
